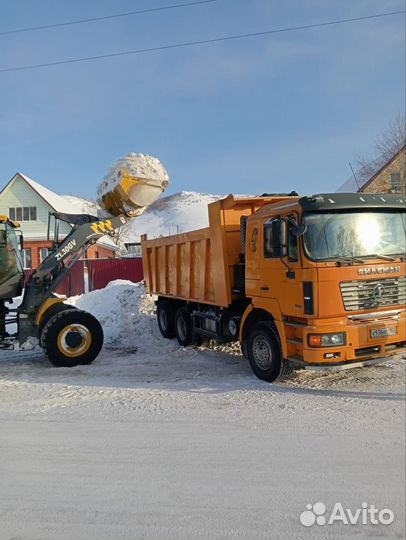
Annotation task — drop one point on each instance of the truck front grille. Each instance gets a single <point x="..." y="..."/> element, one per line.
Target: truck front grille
<point x="374" y="293"/>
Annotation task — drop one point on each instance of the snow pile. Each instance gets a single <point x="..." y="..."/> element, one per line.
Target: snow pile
<point x="126" y="314"/>
<point x="181" y="212"/>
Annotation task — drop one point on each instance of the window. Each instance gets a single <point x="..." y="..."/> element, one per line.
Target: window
<point x="134" y="249"/>
<point x="26" y="257"/>
<point x="269" y="239"/>
<point x="372" y="234"/>
<point x="292" y="244"/>
<point x="43" y="254"/>
<point x="23" y="213"/>
<point x="395" y="182"/>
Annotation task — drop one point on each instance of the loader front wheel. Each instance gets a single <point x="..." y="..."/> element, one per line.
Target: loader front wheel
<point x="165" y="314"/>
<point x="72" y="337"/>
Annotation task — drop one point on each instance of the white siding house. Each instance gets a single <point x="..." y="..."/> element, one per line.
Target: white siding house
<point x="30" y="203"/>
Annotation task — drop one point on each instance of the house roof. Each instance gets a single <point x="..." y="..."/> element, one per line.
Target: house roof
<point x="58" y="204"/>
<point x="378" y="172"/>
<point x="351" y="186"/>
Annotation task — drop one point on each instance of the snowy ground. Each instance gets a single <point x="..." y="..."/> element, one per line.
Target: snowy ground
<point x="154" y="441"/>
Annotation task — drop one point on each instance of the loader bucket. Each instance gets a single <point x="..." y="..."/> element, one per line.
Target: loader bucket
<point x="132" y="184"/>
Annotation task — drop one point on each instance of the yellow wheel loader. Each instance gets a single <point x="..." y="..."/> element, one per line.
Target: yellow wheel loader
<point x="69" y="336"/>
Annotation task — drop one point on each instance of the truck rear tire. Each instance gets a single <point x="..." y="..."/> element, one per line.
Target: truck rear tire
<point x="72" y="337"/>
<point x="165" y="314"/>
<point x="264" y="353"/>
<point x="184" y="328"/>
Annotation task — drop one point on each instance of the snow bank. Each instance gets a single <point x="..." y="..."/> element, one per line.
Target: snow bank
<point x="126" y="314"/>
<point x="180" y="212"/>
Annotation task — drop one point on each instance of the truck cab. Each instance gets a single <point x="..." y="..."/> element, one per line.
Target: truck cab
<point x="336" y="290"/>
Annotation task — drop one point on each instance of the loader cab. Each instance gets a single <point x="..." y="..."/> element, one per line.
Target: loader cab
<point x="11" y="266"/>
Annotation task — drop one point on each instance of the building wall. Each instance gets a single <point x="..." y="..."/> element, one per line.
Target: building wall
<point x="94" y="252"/>
<point x="35" y="247"/>
<point x="382" y="182"/>
<point x="19" y="193"/>
<point x="99" y="252"/>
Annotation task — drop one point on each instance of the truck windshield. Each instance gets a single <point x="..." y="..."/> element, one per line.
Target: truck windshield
<point x="336" y="235"/>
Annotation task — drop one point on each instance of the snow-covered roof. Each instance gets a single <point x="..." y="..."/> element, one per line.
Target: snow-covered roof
<point x="58" y="203"/>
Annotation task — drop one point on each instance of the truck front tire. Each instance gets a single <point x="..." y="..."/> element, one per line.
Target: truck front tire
<point x="264" y="353"/>
<point x="165" y="314"/>
<point x="72" y="337"/>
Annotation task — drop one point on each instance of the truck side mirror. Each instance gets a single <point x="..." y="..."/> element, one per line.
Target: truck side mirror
<point x="298" y="229"/>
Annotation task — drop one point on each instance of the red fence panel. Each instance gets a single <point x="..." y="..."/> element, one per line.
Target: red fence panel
<point x="73" y="284"/>
<point x="102" y="271"/>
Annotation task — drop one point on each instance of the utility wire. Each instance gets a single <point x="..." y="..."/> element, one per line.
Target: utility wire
<point x="104" y="18"/>
<point x="200" y="42"/>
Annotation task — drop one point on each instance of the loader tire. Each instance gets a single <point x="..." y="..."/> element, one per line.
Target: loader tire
<point x="53" y="310"/>
<point x="72" y="337"/>
<point x="165" y="314"/>
<point x="264" y="353"/>
<point x="185" y="333"/>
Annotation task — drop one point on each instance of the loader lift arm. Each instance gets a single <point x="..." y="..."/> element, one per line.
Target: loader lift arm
<point x="43" y="282"/>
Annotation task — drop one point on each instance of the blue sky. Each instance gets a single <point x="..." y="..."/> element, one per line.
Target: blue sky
<point x="286" y="111"/>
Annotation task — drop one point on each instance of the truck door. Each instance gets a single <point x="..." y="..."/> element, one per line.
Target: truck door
<point x="280" y="271"/>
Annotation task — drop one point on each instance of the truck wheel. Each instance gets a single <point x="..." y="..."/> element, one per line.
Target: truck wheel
<point x="264" y="353"/>
<point x="166" y="319"/>
<point x="184" y="328"/>
<point x="72" y="337"/>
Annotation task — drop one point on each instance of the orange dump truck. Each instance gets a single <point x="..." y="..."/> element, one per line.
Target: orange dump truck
<point x="312" y="282"/>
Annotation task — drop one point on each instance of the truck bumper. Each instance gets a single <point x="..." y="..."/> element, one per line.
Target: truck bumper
<point x="346" y="365"/>
<point x="362" y="347"/>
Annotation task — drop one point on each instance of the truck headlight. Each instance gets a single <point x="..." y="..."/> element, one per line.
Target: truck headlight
<point x="326" y="340"/>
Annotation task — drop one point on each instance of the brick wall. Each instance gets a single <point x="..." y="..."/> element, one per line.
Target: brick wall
<point x="94" y="252"/>
<point x="382" y="181"/>
<point x="99" y="252"/>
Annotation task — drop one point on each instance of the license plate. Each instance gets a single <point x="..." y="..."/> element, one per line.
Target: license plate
<point x="383" y="332"/>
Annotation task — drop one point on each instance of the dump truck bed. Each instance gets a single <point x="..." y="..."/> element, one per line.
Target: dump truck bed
<point x="198" y="266"/>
